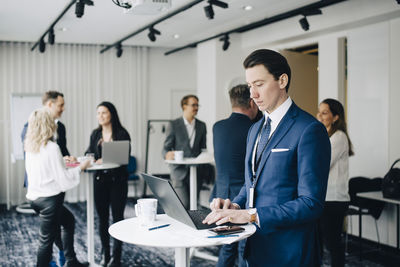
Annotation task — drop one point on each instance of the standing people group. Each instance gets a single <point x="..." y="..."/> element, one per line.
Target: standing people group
<point x="53" y="101"/>
<point x="273" y="173"/>
<point x="229" y="138"/>
<point x="286" y="172"/>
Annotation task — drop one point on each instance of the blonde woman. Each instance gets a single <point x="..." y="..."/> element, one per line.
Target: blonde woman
<point x="48" y="180"/>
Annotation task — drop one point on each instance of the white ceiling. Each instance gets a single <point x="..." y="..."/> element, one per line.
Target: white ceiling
<point x="106" y="23"/>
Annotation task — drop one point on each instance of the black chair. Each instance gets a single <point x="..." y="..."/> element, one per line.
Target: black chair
<point x="362" y="206"/>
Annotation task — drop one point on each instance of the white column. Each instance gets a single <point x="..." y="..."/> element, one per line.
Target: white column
<point x="331" y="65"/>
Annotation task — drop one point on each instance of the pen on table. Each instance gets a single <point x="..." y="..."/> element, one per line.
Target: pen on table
<point x="216" y="236"/>
<point x="158" y="227"/>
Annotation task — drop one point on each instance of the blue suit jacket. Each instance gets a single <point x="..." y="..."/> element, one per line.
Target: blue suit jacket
<point x="229" y="138"/>
<point x="290" y="192"/>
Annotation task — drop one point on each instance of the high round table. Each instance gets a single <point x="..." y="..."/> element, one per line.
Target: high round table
<point x="90" y="205"/>
<point x="177" y="235"/>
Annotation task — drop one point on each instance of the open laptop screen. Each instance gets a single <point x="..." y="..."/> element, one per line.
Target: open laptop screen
<point x="116" y="152"/>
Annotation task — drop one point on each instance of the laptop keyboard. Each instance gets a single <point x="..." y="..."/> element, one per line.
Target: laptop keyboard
<point x="198" y="216"/>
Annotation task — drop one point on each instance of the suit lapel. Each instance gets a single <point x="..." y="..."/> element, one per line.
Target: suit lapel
<point x="283" y="127"/>
<point x="197" y="133"/>
<point x="250" y="145"/>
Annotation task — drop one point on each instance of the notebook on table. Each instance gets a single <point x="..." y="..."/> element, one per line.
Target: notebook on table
<point x="116" y="152"/>
<point x="172" y="205"/>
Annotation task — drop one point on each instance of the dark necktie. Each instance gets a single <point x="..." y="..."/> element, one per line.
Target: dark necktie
<point x="264" y="135"/>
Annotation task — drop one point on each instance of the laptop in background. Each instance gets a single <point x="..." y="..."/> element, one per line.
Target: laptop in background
<point x="172" y="205"/>
<point x="116" y="152"/>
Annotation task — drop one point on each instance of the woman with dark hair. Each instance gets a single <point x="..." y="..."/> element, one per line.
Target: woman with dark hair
<point x="331" y="115"/>
<point x="110" y="186"/>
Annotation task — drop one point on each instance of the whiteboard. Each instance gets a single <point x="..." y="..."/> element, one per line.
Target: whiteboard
<point x="21" y="106"/>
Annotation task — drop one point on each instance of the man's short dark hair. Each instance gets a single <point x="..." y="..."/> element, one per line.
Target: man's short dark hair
<point x="51" y="95"/>
<point x="185" y="99"/>
<point x="273" y="61"/>
<point x="240" y="96"/>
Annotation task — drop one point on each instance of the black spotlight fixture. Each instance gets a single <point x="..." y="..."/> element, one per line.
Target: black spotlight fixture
<point x="304" y="23"/>
<point x="51" y="36"/>
<point x="119" y="50"/>
<point x="398" y="2"/>
<point x="226" y="43"/>
<point x="152" y="33"/>
<point x="80" y="7"/>
<point x="209" y="11"/>
<point x="42" y="46"/>
<point x="308" y="12"/>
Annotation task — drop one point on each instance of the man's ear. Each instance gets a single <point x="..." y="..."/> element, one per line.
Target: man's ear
<point x="283" y="80"/>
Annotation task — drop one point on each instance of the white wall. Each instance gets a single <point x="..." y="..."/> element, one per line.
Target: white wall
<point x="166" y="74"/>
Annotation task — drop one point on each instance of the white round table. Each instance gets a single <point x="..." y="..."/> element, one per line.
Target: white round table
<point x="177" y="235"/>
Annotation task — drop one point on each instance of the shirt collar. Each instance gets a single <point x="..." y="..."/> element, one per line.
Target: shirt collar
<point x="277" y="115"/>
<point x="187" y="123"/>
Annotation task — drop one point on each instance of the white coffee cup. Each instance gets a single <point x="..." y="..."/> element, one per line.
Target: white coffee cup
<point x="146" y="210"/>
<point x="178" y="155"/>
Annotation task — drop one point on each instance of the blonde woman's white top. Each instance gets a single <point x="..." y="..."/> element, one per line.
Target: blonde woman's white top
<point x="338" y="181"/>
<point x="47" y="173"/>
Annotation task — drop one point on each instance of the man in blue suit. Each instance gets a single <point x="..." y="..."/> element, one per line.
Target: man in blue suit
<point x="229" y="138"/>
<point x="286" y="172"/>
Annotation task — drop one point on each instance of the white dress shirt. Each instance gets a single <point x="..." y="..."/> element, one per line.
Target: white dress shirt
<point x="275" y="117"/>
<point x="338" y="181"/>
<point x="190" y="130"/>
<point x="47" y="173"/>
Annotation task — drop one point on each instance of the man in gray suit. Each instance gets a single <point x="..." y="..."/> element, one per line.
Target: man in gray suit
<point x="189" y="135"/>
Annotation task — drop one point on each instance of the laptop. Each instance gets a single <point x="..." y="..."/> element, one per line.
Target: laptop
<point x="116" y="152"/>
<point x="172" y="205"/>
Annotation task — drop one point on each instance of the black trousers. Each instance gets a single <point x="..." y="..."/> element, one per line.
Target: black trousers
<point x="53" y="214"/>
<point x="110" y="191"/>
<point x="332" y="228"/>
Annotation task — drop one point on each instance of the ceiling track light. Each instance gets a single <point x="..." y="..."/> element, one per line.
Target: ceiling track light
<point x="226" y="43"/>
<point x="218" y="3"/>
<point x="263" y="22"/>
<point x="42" y="46"/>
<point x="50" y="30"/>
<point x="122" y="3"/>
<point x="398" y="2"/>
<point x="304" y="24"/>
<point x="80" y="7"/>
<point x="119" y="50"/>
<point x="152" y="33"/>
<point x="51" y="36"/>
<point x="209" y="11"/>
<point x="308" y="12"/>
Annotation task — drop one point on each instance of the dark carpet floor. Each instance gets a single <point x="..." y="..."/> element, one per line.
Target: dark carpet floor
<point x="19" y="242"/>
